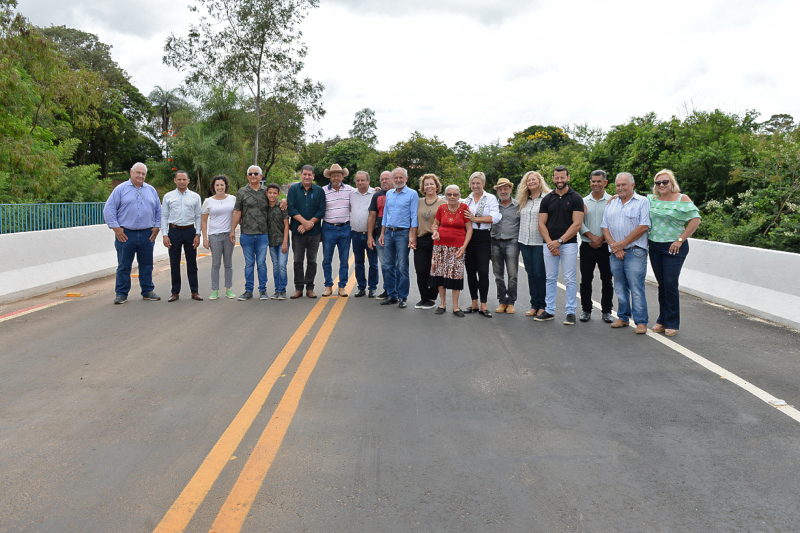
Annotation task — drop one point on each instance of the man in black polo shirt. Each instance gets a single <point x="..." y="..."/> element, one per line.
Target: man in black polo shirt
<point x="560" y="219"/>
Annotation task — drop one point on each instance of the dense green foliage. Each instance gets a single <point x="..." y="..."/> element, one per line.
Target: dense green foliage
<point x="70" y="116"/>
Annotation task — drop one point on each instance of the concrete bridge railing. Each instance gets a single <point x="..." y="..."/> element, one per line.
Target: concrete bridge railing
<point x="761" y="282"/>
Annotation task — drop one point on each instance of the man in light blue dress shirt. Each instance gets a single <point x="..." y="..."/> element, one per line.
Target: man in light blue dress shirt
<point x="133" y="211"/>
<point x="398" y="236"/>
<point x="626" y="222"/>
<point x="181" y="213"/>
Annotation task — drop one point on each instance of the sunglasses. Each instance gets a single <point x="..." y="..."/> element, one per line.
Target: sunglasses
<point x="660" y="183"/>
<point x="253" y="174"/>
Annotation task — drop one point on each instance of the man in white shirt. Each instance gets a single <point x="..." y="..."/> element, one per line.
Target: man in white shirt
<point x="181" y="214"/>
<point x="360" y="200"/>
<point x="593" y="251"/>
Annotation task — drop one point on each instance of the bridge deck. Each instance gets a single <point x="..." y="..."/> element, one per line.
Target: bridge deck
<point x="342" y="415"/>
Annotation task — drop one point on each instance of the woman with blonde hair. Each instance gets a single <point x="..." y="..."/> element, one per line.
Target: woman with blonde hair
<point x="674" y="218"/>
<point x="484" y="210"/>
<point x="532" y="188"/>
<point x="429" y="188"/>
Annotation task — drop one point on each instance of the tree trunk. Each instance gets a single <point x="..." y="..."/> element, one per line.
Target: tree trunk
<point x="258" y="120"/>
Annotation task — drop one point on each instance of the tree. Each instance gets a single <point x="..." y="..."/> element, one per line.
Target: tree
<point x="165" y="103"/>
<point x="349" y="154"/>
<point x="779" y="124"/>
<point x="123" y="108"/>
<point x="40" y="98"/>
<point x="256" y="43"/>
<point x="364" y="127"/>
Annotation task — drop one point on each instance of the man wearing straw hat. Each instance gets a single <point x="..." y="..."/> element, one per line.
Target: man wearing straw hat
<point x="505" y="247"/>
<point x="336" y="227"/>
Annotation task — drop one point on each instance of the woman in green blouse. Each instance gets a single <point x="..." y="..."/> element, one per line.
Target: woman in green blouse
<point x="674" y="218"/>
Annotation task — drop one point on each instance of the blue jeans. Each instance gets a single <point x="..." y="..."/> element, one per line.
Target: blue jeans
<point x="396" y="254"/>
<point x="139" y="245"/>
<point x="279" y="261"/>
<point x="569" y="267"/>
<point x="381" y="260"/>
<point x="667" y="270"/>
<point x="629" y="275"/>
<point x="254" y="248"/>
<point x="533" y="260"/>
<point x="505" y="256"/>
<point x="359" y="241"/>
<point x="334" y="237"/>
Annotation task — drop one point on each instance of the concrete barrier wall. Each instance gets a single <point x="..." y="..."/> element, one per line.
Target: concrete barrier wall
<point x="37" y="262"/>
<point x="761" y="282"/>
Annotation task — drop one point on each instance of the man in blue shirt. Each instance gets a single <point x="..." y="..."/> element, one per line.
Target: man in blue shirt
<point x="398" y="236"/>
<point x="133" y="211"/>
<point x="626" y="223"/>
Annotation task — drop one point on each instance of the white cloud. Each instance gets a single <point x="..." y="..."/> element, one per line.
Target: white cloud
<point x="478" y="70"/>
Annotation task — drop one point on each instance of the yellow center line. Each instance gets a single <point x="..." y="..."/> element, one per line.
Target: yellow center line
<point x="184" y="508"/>
<point x="233" y="513"/>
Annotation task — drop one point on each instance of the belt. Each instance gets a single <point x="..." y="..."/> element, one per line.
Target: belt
<point x="131" y="229"/>
<point x="396" y="229"/>
<point x="181" y="227"/>
<point x="360" y="232"/>
<point x="338" y="225"/>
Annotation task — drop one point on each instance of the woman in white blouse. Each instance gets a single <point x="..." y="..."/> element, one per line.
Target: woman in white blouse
<point x="530" y="192"/>
<point x="217" y="212"/>
<point x="483" y="212"/>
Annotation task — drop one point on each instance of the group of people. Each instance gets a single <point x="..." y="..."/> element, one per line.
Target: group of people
<point x="452" y="237"/>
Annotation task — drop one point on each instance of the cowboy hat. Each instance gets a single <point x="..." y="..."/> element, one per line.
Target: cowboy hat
<point x="336" y="168"/>
<point x="503" y="181"/>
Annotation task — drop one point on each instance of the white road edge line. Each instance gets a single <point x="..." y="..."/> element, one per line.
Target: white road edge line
<point x="761" y="394"/>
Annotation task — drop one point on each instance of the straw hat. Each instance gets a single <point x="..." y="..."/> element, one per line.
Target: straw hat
<point x="504" y="181"/>
<point x="336" y="168"/>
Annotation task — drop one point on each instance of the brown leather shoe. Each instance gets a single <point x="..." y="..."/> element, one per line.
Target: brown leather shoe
<point x="501" y="308"/>
<point x="173" y="297"/>
<point x="196" y="296"/>
<point x="310" y="294"/>
<point x="510" y="309"/>
<point x="641" y="329"/>
<point x="328" y="292"/>
<point x="658" y="328"/>
<point x="619" y="324"/>
<point x="296" y="295"/>
<point x="342" y="293"/>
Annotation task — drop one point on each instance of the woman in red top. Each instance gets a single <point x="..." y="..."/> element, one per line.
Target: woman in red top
<point x="451" y="233"/>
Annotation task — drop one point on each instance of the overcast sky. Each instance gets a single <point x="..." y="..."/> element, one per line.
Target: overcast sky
<point x="478" y="70"/>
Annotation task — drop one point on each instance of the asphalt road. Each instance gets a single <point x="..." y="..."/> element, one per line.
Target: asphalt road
<point x="342" y="415"/>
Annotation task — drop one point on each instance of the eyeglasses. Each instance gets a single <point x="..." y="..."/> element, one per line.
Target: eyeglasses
<point x="660" y="183"/>
<point x="253" y="174"/>
<point x="452" y="195"/>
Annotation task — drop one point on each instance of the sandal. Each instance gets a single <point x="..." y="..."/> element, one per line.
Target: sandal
<point x="532" y="312"/>
<point x="670" y="332"/>
<point x="485" y="313"/>
<point x="468" y="310"/>
<point x="658" y="328"/>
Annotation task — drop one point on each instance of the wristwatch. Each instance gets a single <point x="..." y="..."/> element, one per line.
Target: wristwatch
<point x="680" y="239"/>
<point x="560" y="241"/>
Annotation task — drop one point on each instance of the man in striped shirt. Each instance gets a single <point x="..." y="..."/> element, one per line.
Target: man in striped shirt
<point x="336" y="227"/>
<point x="626" y="222"/>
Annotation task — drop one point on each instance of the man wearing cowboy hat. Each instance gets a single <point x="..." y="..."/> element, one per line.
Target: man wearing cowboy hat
<point x="336" y="227"/>
<point x="505" y="247"/>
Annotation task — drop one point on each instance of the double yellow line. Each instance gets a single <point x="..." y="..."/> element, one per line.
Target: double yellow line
<point x="234" y="511"/>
